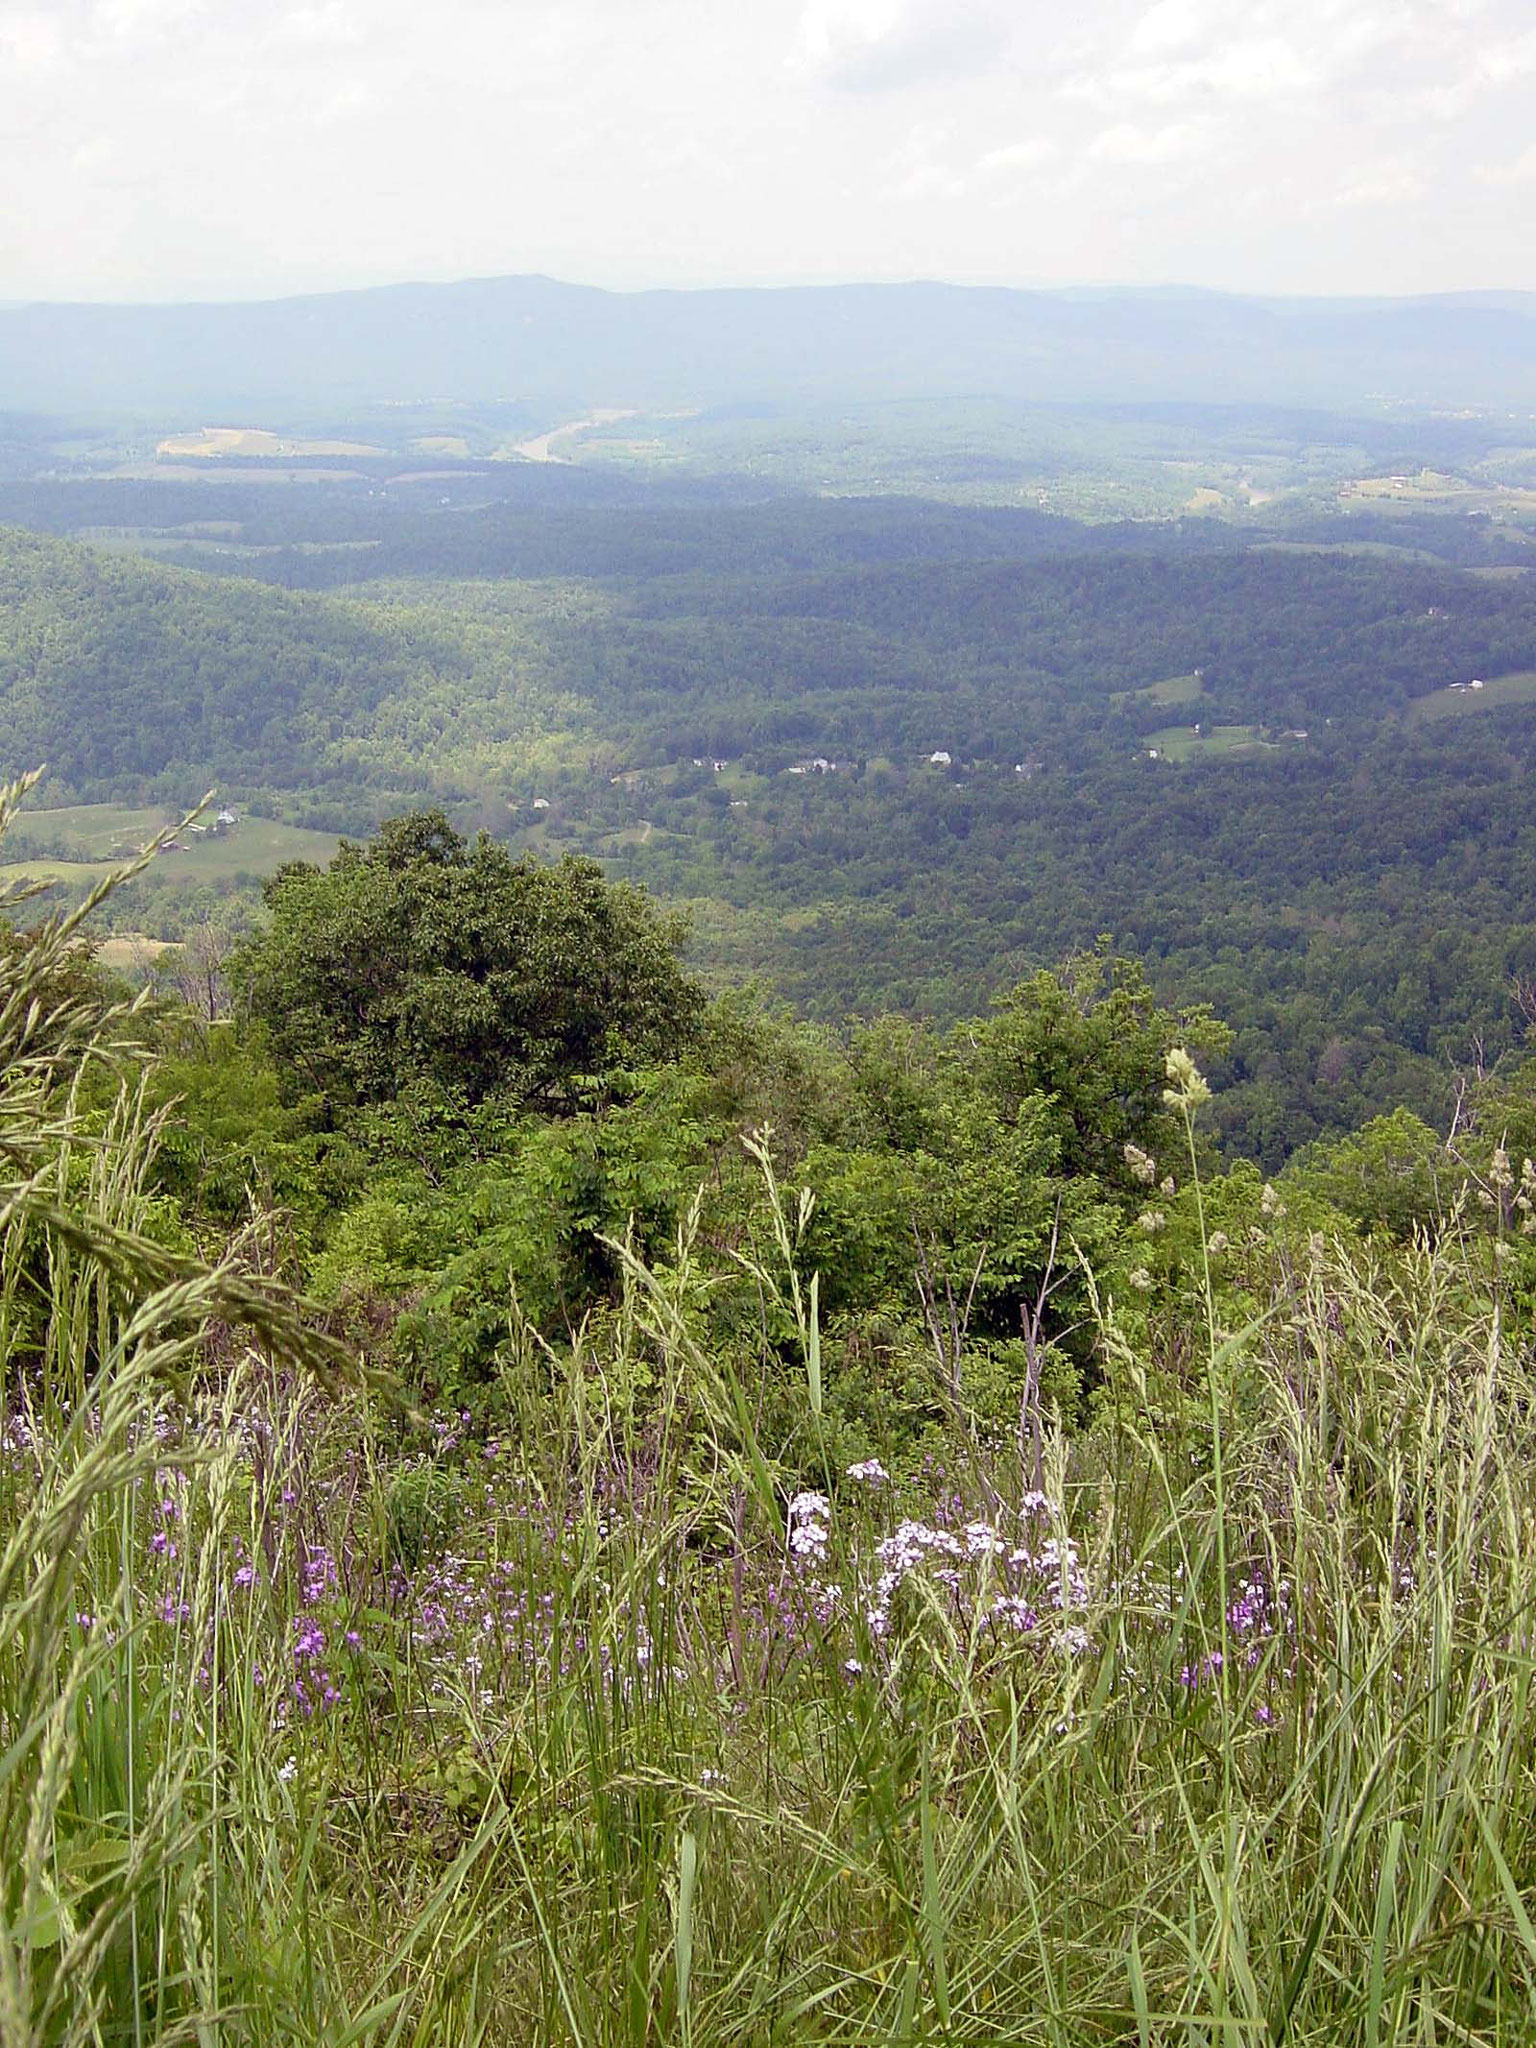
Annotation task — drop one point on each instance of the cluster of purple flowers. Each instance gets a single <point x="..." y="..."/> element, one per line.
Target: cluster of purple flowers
<point x="1256" y="1618"/>
<point x="314" y="1689"/>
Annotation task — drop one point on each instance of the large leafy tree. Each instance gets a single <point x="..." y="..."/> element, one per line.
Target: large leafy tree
<point x="420" y="959"/>
<point x="1090" y="1045"/>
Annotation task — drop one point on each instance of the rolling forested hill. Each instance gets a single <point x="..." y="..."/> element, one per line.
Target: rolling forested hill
<point x="889" y="756"/>
<point x="133" y="680"/>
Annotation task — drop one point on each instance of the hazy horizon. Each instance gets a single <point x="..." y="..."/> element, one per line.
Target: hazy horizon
<point x="199" y="150"/>
<point x="1109" y="287"/>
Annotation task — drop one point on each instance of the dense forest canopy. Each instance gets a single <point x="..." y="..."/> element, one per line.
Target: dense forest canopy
<point x="890" y="755"/>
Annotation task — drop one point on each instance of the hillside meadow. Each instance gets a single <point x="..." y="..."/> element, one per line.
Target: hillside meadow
<point x="81" y="844"/>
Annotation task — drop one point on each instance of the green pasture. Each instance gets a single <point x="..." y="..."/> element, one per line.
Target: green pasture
<point x="1183" y="743"/>
<point x="90" y="840"/>
<point x="1171" y="690"/>
<point x="1497" y="691"/>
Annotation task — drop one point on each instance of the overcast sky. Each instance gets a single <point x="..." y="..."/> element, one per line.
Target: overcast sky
<point x="233" y="148"/>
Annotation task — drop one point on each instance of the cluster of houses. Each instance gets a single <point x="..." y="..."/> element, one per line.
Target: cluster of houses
<point x="810" y="764"/>
<point x="941" y="757"/>
<point x="225" y="821"/>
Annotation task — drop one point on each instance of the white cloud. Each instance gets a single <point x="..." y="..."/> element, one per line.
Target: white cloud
<point x="143" y="20"/>
<point x="1381" y="184"/>
<point x="30" y="43"/>
<point x="1127" y="144"/>
<point x="870" y="45"/>
<point x="97" y="154"/>
<point x="345" y="102"/>
<point x="1447" y="84"/>
<point x="1520" y="170"/>
<point x="328" y="22"/>
<point x="1170" y="25"/>
<point x="921" y="166"/>
<point x="1016" y="156"/>
<point x="927" y="166"/>
<point x="1255" y="68"/>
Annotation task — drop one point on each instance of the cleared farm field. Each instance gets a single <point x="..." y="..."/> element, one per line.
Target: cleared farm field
<point x="248" y="441"/>
<point x="96" y="831"/>
<point x="1171" y="690"/>
<point x="1183" y="743"/>
<point x="87" y="841"/>
<point x="1497" y="691"/>
<point x="128" y="952"/>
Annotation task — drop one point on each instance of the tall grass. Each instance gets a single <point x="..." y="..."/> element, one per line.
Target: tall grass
<point x="1210" y="1725"/>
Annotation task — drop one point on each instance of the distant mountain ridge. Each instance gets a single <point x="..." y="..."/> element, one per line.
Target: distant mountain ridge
<point x="539" y="340"/>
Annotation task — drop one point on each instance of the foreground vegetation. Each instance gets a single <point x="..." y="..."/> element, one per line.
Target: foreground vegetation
<point x="1031" y="1586"/>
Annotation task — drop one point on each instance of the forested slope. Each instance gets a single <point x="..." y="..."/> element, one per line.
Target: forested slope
<point x="1245" y="764"/>
<point x="130" y="679"/>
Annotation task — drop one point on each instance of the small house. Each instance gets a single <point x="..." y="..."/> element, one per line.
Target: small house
<point x="939" y="758"/>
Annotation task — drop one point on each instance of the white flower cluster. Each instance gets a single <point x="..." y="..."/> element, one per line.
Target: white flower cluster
<point x="810" y="1528"/>
<point x="1048" y="1578"/>
<point x="1143" y="1166"/>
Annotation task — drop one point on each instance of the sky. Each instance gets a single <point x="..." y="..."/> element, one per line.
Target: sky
<point x="172" y="149"/>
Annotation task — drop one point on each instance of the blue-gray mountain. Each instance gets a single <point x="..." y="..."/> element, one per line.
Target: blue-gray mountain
<point x="537" y="339"/>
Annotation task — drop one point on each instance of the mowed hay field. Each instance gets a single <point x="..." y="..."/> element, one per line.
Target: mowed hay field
<point x="88" y="841"/>
<point x="1497" y="691"/>
<point x="1187" y="689"/>
<point x="214" y="441"/>
<point x="1183" y="743"/>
